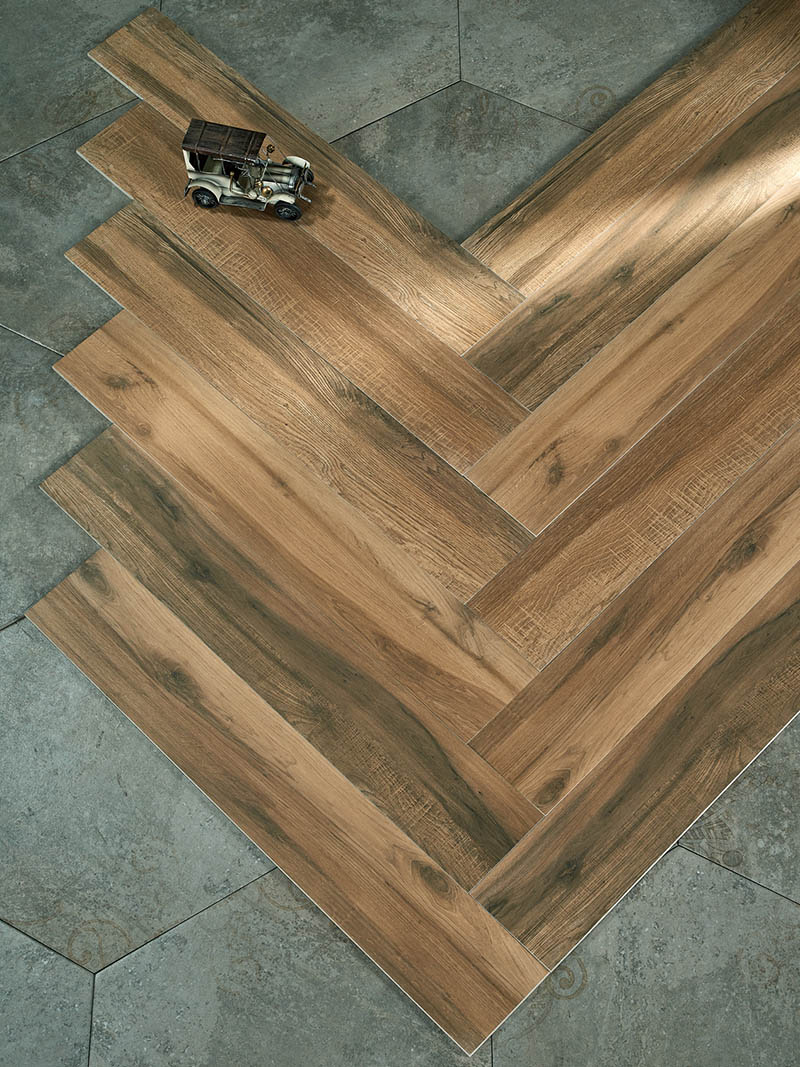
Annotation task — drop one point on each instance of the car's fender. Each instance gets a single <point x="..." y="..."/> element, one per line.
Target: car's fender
<point x="287" y="198"/>
<point x="202" y="183"/>
<point x="298" y="161"/>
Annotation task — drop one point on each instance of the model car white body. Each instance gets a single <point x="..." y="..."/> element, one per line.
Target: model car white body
<point x="226" y="165"/>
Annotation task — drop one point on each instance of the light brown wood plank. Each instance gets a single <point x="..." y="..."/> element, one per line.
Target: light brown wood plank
<point x="602" y="178"/>
<point x="606" y="286"/>
<point x="303" y="598"/>
<point x="595" y="417"/>
<point x="375" y="233"/>
<point x="444" y="401"/>
<point x="399" y="906"/>
<point x="589" y="698"/>
<point x="600" y="544"/>
<point x="450" y="527"/>
<point x="587" y="853"/>
<point x="367" y="599"/>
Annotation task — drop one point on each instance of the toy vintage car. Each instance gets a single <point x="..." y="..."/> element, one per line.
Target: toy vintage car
<point x="228" y="165"/>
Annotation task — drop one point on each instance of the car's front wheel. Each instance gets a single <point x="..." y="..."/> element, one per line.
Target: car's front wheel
<point x="289" y="212"/>
<point x="204" y="198"/>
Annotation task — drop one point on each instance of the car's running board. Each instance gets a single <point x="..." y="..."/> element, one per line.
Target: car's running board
<point x="242" y="201"/>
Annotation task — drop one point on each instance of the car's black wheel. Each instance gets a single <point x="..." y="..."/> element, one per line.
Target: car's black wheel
<point x="310" y="177"/>
<point x="204" y="198"/>
<point x="289" y="212"/>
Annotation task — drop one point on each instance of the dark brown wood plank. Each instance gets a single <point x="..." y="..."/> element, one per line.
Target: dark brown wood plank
<point x="601" y="179"/>
<point x="444" y="401"/>
<point x="399" y="906"/>
<point x="595" y="417"/>
<point x="600" y="544"/>
<point x="326" y="621"/>
<point x="589" y="698"/>
<point x="451" y="528"/>
<point x="375" y="233"/>
<point x="576" y="863"/>
<point x="607" y="285"/>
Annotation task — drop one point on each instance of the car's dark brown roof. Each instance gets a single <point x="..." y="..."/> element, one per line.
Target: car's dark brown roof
<point x="225" y="142"/>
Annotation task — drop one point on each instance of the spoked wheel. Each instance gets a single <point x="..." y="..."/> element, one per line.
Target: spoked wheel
<point x="289" y="212"/>
<point x="204" y="198"/>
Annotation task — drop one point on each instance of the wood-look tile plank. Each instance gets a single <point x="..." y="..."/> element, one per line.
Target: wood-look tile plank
<point x="367" y="599"/>
<point x="587" y="424"/>
<point x="451" y="528"/>
<point x="399" y="906"/>
<point x="443" y="400"/>
<point x="374" y="232"/>
<point x="589" y="698"/>
<point x="620" y="525"/>
<point x="606" y="286"/>
<point x="271" y="574"/>
<point x="601" y="179"/>
<point x="576" y="863"/>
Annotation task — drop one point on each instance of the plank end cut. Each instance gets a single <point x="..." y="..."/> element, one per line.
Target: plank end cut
<point x="424" y="931"/>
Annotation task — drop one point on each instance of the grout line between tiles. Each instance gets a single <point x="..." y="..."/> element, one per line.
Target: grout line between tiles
<point x="91" y="1022"/>
<point x="194" y="915"/>
<point x="26" y="933"/>
<point x="530" y="107"/>
<point x="69" y="129"/>
<point x="738" y="874"/>
<point x="33" y="341"/>
<point x="11" y="622"/>
<point x="396" y="111"/>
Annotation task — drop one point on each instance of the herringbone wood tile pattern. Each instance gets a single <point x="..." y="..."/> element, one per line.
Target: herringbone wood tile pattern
<point x="462" y="579"/>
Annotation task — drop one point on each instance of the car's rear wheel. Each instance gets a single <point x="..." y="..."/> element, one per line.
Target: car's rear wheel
<point x="204" y="198"/>
<point x="288" y="212"/>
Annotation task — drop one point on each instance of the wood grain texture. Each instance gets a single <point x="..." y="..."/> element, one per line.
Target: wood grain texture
<point x="383" y="239"/>
<point x="444" y="401"/>
<point x="612" y="533"/>
<point x="605" y="287"/>
<point x="595" y="417"/>
<point x="364" y="597"/>
<point x="604" y="176"/>
<point x="450" y="527"/>
<point x="587" y="853"/>
<point x="267" y="617"/>
<point x="589" y="698"/>
<point x="400" y="907"/>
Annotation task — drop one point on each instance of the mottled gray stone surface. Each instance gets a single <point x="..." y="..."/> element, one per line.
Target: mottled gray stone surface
<point x="754" y="827"/>
<point x="695" y="966"/>
<point x="460" y="155"/>
<point x="51" y="200"/>
<point x="338" y="65"/>
<point x="262" y="978"/>
<point x="104" y="842"/>
<point x="45" y="1005"/>
<point x="47" y="83"/>
<point x="43" y="421"/>
<point x="577" y="60"/>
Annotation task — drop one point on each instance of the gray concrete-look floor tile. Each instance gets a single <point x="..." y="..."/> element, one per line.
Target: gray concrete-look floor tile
<point x="52" y="199"/>
<point x="48" y="84"/>
<point x="577" y="60"/>
<point x="105" y="842"/>
<point x="45" y="1005"/>
<point x="43" y="421"/>
<point x="754" y="827"/>
<point x="335" y="66"/>
<point x="460" y="155"/>
<point x="695" y="966"/>
<point x="262" y="978"/>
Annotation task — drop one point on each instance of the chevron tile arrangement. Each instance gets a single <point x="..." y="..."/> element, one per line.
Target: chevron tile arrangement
<point x="462" y="579"/>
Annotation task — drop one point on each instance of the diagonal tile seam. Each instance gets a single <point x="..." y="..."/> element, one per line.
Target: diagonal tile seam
<point x="68" y="129"/>
<point x="31" y="340"/>
<point x="49" y="948"/>
<point x="397" y="110"/>
<point x="11" y="622"/>
<point x="739" y="874"/>
<point x="530" y="107"/>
